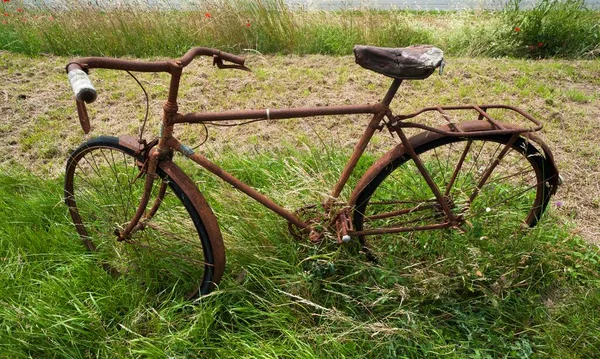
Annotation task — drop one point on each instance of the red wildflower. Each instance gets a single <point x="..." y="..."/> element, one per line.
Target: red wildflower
<point x="5" y="14"/>
<point x="50" y="17"/>
<point x="517" y="29"/>
<point x="207" y="15"/>
<point x="6" y="0"/>
<point x="540" y="44"/>
<point x="248" y="23"/>
<point x="19" y="10"/>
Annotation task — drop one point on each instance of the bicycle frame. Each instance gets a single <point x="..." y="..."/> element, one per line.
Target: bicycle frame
<point x="381" y="117"/>
<point x="379" y="111"/>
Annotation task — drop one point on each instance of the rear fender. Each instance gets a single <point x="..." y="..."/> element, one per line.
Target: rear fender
<point x="427" y="136"/>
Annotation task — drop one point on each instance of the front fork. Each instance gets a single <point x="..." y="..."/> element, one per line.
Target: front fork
<point x="154" y="152"/>
<point x="141" y="217"/>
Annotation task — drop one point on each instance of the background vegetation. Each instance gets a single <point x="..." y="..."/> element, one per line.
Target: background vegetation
<point x="552" y="28"/>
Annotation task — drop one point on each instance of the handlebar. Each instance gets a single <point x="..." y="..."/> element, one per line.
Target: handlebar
<point x="86" y="93"/>
<point x="170" y="66"/>
<point x="82" y="86"/>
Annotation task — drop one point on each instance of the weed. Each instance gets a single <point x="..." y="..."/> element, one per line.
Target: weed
<point x="564" y="28"/>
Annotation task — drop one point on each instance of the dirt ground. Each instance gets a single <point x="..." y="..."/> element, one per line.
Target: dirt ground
<point x="39" y="126"/>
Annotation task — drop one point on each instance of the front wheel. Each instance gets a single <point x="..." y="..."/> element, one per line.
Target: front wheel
<point x="513" y="197"/>
<point x="171" y="253"/>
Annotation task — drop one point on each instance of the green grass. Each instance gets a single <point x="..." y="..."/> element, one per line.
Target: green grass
<point x="453" y="295"/>
<point x="564" y="28"/>
<point x="551" y="28"/>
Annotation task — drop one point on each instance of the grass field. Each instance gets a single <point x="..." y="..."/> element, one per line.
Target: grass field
<point x="453" y="296"/>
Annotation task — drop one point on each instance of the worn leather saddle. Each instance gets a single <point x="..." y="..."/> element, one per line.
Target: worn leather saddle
<point x="403" y="63"/>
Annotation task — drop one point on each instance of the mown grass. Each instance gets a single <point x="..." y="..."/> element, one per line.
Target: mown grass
<point x="564" y="28"/>
<point x="455" y="296"/>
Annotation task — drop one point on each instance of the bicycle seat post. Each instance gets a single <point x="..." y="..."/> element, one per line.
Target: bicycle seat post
<point x="389" y="96"/>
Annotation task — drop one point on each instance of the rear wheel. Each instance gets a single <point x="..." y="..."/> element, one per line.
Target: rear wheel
<point x="172" y="253"/>
<point x="513" y="197"/>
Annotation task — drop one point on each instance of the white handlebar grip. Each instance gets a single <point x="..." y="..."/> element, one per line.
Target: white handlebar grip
<point x="82" y="86"/>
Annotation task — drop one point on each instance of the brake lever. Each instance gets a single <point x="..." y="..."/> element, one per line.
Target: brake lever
<point x="217" y="61"/>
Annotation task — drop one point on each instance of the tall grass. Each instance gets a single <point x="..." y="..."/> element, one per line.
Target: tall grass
<point x="551" y="28"/>
<point x="564" y="28"/>
<point x="267" y="26"/>
<point x="455" y="296"/>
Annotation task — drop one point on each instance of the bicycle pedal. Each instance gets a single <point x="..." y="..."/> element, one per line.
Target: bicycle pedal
<point x="342" y="226"/>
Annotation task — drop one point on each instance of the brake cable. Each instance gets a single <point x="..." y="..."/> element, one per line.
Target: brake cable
<point x="147" y="106"/>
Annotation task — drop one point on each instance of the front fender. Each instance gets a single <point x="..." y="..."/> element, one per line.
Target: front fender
<point x="197" y="199"/>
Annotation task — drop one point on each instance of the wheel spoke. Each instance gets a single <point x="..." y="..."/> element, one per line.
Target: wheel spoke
<point x="511" y="180"/>
<point x="167" y="251"/>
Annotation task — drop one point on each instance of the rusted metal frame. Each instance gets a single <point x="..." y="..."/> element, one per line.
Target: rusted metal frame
<point x="378" y="110"/>
<point x="367" y="232"/>
<point x="359" y="149"/>
<point x="154" y="66"/>
<point x="510" y="131"/>
<point x="229" y="178"/>
<point x="492" y="166"/>
<point x="458" y="167"/>
<point x="155" y="206"/>
<point x="84" y="120"/>
<point x="170" y="109"/>
<point x="483" y="113"/>
<point x="421" y="167"/>
<point x="274" y="114"/>
<point x="481" y="110"/>
<point x="400" y="212"/>
<point x="364" y="140"/>
<point x="159" y="198"/>
<point x="124" y="65"/>
<point x="448" y="119"/>
<point x="149" y="182"/>
<point x="205" y="51"/>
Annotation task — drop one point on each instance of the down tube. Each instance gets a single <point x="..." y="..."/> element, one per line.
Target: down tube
<point x="229" y="178"/>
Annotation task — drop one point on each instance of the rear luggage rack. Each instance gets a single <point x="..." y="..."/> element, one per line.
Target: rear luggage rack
<point x="481" y="111"/>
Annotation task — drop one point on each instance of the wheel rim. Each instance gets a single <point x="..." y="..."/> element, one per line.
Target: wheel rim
<point x="103" y="188"/>
<point x="512" y="198"/>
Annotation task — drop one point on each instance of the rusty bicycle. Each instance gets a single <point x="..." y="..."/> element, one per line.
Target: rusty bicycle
<point x="144" y="216"/>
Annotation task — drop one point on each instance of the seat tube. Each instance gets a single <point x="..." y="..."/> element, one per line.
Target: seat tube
<point x="360" y="147"/>
<point x="389" y="96"/>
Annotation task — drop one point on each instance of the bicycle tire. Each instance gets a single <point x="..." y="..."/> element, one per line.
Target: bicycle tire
<point x="173" y="253"/>
<point x="392" y="187"/>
